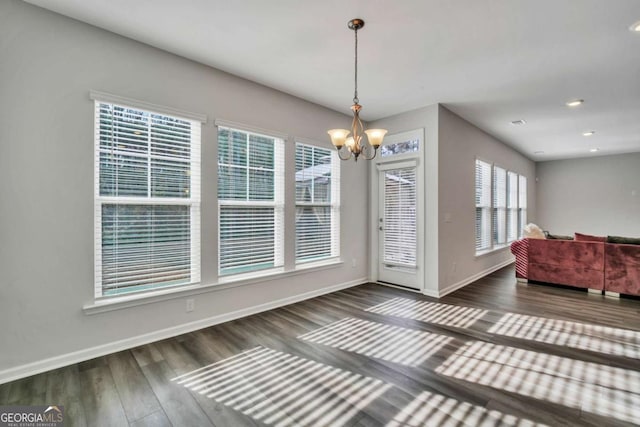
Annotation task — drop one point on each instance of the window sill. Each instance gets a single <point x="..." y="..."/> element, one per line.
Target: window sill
<point x="127" y="301"/>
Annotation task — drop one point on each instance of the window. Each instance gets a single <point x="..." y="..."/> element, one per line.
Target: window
<point x="483" y="205"/>
<point x="317" y="203"/>
<point x="400" y="217"/>
<point x="402" y="147"/>
<point x="522" y="203"/>
<point x="499" y="206"/>
<point x="147" y="200"/>
<point x="250" y="201"/>
<point x="501" y="198"/>
<point x="512" y="206"/>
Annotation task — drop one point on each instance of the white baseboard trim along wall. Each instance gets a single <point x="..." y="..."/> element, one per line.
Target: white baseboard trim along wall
<point x="38" y="367"/>
<point x="455" y="286"/>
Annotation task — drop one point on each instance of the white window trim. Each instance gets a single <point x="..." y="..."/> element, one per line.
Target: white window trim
<point x="143" y="105"/>
<point x="278" y="203"/>
<point x="495" y="247"/>
<point x="402" y="137"/>
<point x="334" y="205"/>
<point x="497" y="209"/>
<point x="222" y="123"/>
<point x="488" y="207"/>
<point x="193" y="202"/>
<point x="522" y="208"/>
<point x="165" y="294"/>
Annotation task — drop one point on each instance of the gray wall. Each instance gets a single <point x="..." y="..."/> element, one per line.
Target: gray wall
<point x="48" y="65"/>
<point x="597" y="195"/>
<point x="451" y="146"/>
<point x="460" y="143"/>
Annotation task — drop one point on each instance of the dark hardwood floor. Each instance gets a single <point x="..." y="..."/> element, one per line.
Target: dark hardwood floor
<point x="493" y="353"/>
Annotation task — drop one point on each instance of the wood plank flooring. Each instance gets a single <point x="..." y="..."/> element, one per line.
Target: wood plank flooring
<point x="495" y="353"/>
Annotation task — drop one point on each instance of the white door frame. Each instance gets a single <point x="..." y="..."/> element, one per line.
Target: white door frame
<point x="390" y="162"/>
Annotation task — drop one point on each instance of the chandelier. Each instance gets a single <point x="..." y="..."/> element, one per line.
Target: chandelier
<point x="355" y="145"/>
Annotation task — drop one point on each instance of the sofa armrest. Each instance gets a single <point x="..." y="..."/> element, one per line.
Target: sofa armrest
<point x="520" y="248"/>
<point x="622" y="268"/>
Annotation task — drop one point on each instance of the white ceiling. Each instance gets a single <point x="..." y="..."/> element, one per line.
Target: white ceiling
<point x="490" y="61"/>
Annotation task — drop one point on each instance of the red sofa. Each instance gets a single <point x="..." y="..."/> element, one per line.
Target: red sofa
<point x="612" y="267"/>
<point x="622" y="268"/>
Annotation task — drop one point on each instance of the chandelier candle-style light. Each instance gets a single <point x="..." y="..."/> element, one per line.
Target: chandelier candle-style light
<point x="355" y="145"/>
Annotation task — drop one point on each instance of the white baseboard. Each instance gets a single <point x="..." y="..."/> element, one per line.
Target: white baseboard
<point x="427" y="292"/>
<point x="431" y="293"/>
<point x="402" y="288"/>
<point x="40" y="366"/>
<point x="471" y="279"/>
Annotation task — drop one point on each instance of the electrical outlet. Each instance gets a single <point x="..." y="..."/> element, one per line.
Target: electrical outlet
<point x="454" y="267"/>
<point x="191" y="305"/>
<point x="353" y="262"/>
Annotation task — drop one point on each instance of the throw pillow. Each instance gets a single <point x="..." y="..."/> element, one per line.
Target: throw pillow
<point x="589" y="238"/>
<point x="532" y="231"/>
<point x="550" y="236"/>
<point x="624" y="240"/>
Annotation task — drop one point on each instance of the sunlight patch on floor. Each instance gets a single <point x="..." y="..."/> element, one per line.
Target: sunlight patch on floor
<point x="430" y="409"/>
<point x="392" y="343"/>
<point x="591" y="387"/>
<point x="281" y="389"/>
<point x="431" y="312"/>
<point x="601" y="339"/>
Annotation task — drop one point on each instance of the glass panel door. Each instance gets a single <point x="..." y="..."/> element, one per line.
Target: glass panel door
<point x="397" y="225"/>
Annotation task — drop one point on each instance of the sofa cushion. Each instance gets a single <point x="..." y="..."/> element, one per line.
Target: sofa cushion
<point x="624" y="240"/>
<point x="589" y="238"/>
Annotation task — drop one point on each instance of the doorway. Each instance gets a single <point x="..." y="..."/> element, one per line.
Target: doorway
<point x="398" y="224"/>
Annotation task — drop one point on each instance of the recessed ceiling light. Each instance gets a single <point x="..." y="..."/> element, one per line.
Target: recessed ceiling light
<point x="588" y="133"/>
<point x="518" y="122"/>
<point x="575" y="102"/>
<point x="538" y="152"/>
<point x="635" y="27"/>
<point x="594" y="150"/>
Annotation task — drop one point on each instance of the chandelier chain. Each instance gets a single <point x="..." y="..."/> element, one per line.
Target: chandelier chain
<point x="355" y="92"/>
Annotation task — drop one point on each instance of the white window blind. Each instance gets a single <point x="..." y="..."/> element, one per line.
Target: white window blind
<point x="147" y="200"/>
<point x="317" y="203"/>
<point x="522" y="203"/>
<point x="400" y="220"/>
<point x="250" y="201"/>
<point x="483" y="205"/>
<point x="499" y="205"/>
<point x="512" y="206"/>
